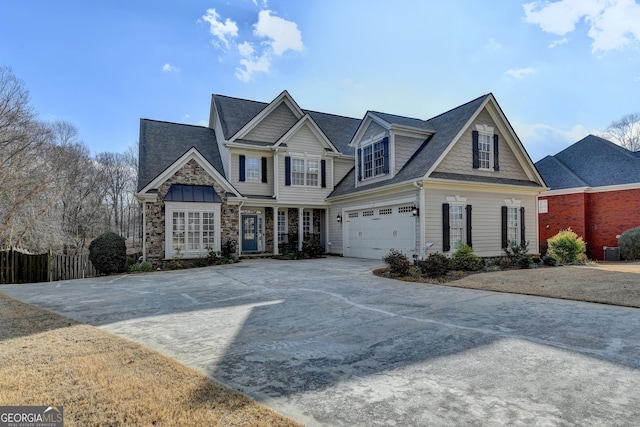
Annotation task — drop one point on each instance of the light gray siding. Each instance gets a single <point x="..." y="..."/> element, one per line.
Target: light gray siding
<point x="341" y="168"/>
<point x="255" y="188"/>
<point x="460" y="157"/>
<point x="486" y="219"/>
<point x="272" y="127"/>
<point x="373" y="129"/>
<point x="405" y="147"/>
<point x="225" y="154"/>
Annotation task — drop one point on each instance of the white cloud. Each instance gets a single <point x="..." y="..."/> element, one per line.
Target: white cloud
<point x="613" y="24"/>
<point x="252" y="66"/>
<point x="272" y="36"/>
<point x="558" y="42"/>
<point x="542" y="140"/>
<point x="168" y="68"/>
<point x="225" y="31"/>
<point x="245" y="49"/>
<point x="520" y="73"/>
<point x="283" y="35"/>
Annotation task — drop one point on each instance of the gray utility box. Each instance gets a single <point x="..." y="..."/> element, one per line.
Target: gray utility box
<point x="611" y="253"/>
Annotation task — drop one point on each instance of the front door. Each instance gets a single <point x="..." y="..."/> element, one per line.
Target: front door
<point x="249" y="233"/>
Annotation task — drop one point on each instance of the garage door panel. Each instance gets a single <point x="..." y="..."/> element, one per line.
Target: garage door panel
<point x="372" y="233"/>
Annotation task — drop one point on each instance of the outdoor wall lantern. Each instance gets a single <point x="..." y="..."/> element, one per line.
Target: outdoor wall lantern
<point x="415" y="211"/>
<point x="339" y="218"/>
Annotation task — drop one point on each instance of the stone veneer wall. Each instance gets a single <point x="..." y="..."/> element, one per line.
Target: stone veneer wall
<point x="191" y="174"/>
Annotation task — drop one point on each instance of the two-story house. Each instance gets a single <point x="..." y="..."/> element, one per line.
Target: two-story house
<point x="271" y="175"/>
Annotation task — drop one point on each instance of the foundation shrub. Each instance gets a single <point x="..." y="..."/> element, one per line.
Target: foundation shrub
<point x="464" y="259"/>
<point x="566" y="247"/>
<point x="518" y="254"/>
<point x="398" y="263"/>
<point x="435" y="265"/>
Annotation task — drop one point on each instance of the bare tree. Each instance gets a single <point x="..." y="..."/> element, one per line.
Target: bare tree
<point x="626" y="131"/>
<point x="119" y="180"/>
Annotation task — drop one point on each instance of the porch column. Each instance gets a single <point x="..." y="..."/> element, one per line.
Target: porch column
<point x="275" y="231"/>
<point x="300" y="228"/>
<point x="144" y="231"/>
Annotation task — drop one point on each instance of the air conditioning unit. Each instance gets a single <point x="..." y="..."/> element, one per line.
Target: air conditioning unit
<point x="611" y="253"/>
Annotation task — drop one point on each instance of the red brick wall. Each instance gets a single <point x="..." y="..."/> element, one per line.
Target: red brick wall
<point x="610" y="214"/>
<point x="565" y="211"/>
<point x="597" y="217"/>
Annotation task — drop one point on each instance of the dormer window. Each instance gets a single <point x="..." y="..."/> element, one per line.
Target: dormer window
<point x="373" y="159"/>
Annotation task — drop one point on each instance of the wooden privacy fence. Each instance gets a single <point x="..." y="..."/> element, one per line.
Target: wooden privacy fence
<point x="18" y="266"/>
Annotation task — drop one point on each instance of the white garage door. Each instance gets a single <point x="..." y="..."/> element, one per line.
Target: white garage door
<point x="372" y="233"/>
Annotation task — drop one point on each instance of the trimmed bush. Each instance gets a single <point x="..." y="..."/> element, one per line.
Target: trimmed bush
<point x="398" y="263"/>
<point x="435" y="265"/>
<point x="142" y="267"/>
<point x="629" y="243"/>
<point x="312" y="248"/>
<point x="108" y="253"/>
<point x="518" y="255"/>
<point x="464" y="259"/>
<point x="566" y="247"/>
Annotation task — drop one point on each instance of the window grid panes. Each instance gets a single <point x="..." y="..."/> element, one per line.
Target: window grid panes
<point x="178" y="230"/>
<point x="512" y="224"/>
<point x="297" y="171"/>
<point x="456" y="225"/>
<point x="367" y="161"/>
<point x="282" y="226"/>
<point x="208" y="230"/>
<point x="306" y="223"/>
<point x="484" y="151"/>
<point x="312" y="173"/>
<point x="373" y="160"/>
<point x="378" y="157"/>
<point x="193" y="231"/>
<point x="252" y="169"/>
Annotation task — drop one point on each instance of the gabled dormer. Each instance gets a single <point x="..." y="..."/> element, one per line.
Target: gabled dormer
<point x="384" y="143"/>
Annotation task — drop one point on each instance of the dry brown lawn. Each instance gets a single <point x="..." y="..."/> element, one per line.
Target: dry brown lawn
<point x="104" y="380"/>
<point x="606" y="283"/>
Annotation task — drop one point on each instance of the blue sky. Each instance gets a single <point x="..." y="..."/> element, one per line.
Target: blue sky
<point x="559" y="69"/>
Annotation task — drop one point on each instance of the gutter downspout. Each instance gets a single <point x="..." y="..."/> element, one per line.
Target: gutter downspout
<point x="240" y="227"/>
<point x="421" y="219"/>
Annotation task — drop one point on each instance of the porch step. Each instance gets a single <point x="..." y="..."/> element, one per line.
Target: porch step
<point x="256" y="256"/>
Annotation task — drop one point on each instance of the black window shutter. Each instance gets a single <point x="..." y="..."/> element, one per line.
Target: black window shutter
<point x="385" y="151"/>
<point x="504" y="227"/>
<point x="242" y="171"/>
<point x="469" y="241"/>
<point x="359" y="164"/>
<point x="446" y="237"/>
<point x="264" y="169"/>
<point x="522" y="228"/>
<point x="496" y="153"/>
<point x="476" y="155"/>
<point x="287" y="170"/>
<point x="323" y="173"/>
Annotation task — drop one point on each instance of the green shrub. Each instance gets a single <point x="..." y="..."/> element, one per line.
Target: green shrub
<point x="549" y="260"/>
<point x="566" y="246"/>
<point x="228" y="249"/>
<point x="435" y="265"/>
<point x="398" y="263"/>
<point x="142" y="267"/>
<point x="108" y="253"/>
<point x="464" y="259"/>
<point x="629" y="243"/>
<point x="312" y="248"/>
<point x="518" y="255"/>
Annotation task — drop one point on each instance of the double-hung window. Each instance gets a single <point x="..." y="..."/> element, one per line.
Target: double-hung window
<point x="513" y="225"/>
<point x="456" y="226"/>
<point x="252" y="169"/>
<point x="305" y="172"/>
<point x="306" y="224"/>
<point x="484" y="150"/>
<point x="373" y="159"/>
<point x="282" y="227"/>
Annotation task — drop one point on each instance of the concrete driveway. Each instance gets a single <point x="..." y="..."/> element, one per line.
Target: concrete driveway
<point x="328" y="343"/>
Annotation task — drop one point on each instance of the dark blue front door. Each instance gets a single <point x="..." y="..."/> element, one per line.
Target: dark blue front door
<point x="249" y="232"/>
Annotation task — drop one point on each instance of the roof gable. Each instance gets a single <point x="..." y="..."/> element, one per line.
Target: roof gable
<point x="307" y="121"/>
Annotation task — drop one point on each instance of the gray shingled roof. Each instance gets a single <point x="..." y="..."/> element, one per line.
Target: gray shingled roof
<point x="162" y="143"/>
<point x="234" y="113"/>
<point x="446" y="126"/>
<point x="592" y="162"/>
<point x="392" y="119"/>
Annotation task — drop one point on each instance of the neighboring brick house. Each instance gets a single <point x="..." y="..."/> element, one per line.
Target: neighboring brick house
<point x="271" y="175"/>
<point x="594" y="190"/>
